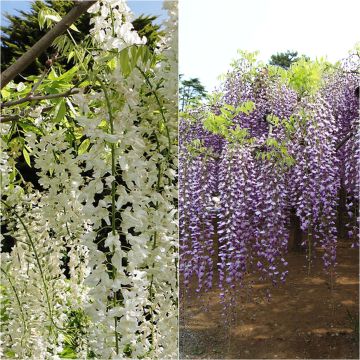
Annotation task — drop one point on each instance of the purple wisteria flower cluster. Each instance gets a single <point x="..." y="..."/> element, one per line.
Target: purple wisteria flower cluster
<point x="244" y="174"/>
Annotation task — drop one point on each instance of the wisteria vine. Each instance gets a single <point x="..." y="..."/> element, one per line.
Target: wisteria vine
<point x="271" y="143"/>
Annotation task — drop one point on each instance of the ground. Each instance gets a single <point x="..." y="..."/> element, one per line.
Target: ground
<point x="305" y="319"/>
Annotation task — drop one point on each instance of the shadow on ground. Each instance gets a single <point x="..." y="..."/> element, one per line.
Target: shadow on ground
<point x="305" y="319"/>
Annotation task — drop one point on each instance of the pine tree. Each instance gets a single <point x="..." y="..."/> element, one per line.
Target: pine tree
<point x="285" y="59"/>
<point x="190" y="91"/>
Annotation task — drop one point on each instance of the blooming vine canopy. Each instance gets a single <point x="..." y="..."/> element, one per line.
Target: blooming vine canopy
<point x="270" y="144"/>
<point x="92" y="270"/>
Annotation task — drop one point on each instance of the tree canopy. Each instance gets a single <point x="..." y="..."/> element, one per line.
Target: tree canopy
<point x="285" y="59"/>
<point x="190" y="91"/>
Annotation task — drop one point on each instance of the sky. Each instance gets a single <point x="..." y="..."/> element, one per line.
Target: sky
<point x="139" y="7"/>
<point x="211" y="31"/>
<point x="11" y="7"/>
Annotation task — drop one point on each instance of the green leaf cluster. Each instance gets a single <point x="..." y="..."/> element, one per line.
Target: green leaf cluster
<point x="223" y="124"/>
<point x="305" y="76"/>
<point x="275" y="151"/>
<point x="47" y="16"/>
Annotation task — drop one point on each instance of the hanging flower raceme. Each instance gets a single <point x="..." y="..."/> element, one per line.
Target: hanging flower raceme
<point x="315" y="177"/>
<point x="197" y="203"/>
<point x="341" y="91"/>
<point x="112" y="27"/>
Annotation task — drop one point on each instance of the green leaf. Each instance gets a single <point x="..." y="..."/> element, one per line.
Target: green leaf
<point x="247" y="107"/>
<point x="104" y="125"/>
<point x="225" y="112"/>
<point x="68" y="353"/>
<point x="135" y="54"/>
<point x="111" y="63"/>
<point x="84" y="146"/>
<point x="17" y="142"/>
<point x="145" y="54"/>
<point x="125" y="62"/>
<point x="52" y="75"/>
<point x="68" y="75"/>
<point x="78" y="133"/>
<point x="27" y="127"/>
<point x="5" y="93"/>
<point x="41" y="19"/>
<point x="229" y="107"/>
<point x="26" y="157"/>
<point x="61" y="112"/>
<point x="53" y="17"/>
<point x="272" y="142"/>
<point x="12" y="175"/>
<point x="10" y="354"/>
<point x="70" y="56"/>
<point x="73" y="27"/>
<point x="273" y="119"/>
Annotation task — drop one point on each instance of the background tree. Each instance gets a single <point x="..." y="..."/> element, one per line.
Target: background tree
<point x="23" y="31"/>
<point x="285" y="59"/>
<point x="144" y="25"/>
<point x="190" y="91"/>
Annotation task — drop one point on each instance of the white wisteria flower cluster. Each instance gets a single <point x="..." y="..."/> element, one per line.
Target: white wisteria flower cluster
<point x="94" y="260"/>
<point x="112" y="27"/>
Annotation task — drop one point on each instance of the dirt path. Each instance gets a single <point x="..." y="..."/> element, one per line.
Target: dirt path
<point x="304" y="319"/>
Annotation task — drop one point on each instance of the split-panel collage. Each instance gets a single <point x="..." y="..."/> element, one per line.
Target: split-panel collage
<point x="179" y="179"/>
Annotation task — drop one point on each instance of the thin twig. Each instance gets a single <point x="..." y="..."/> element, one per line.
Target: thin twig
<point x="23" y="114"/>
<point x="41" y="97"/>
<point x="37" y="84"/>
<point x="9" y="118"/>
